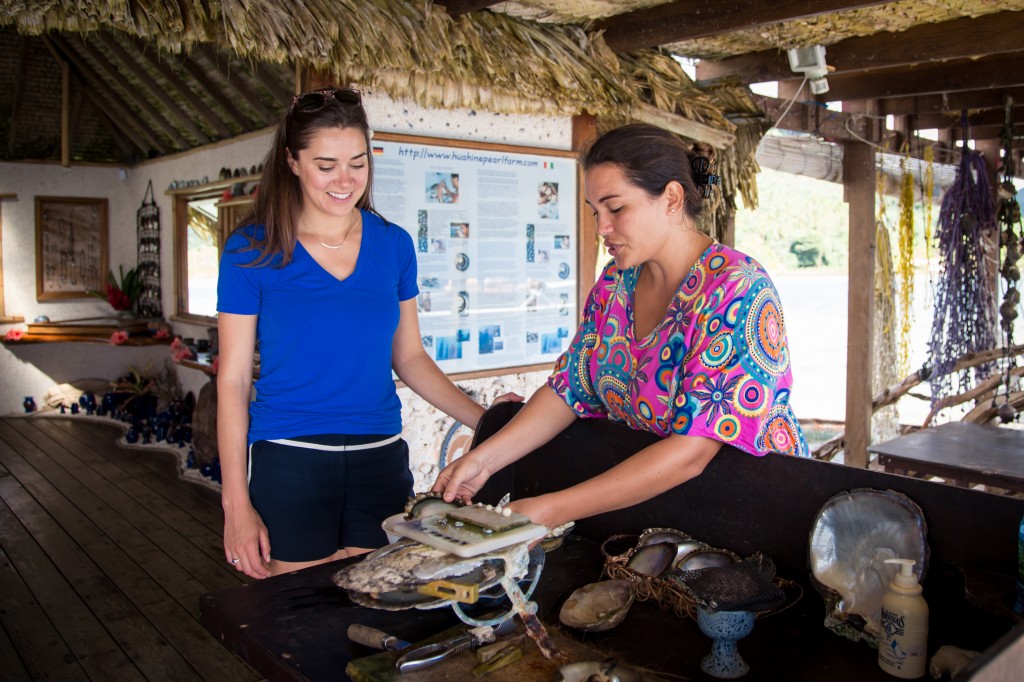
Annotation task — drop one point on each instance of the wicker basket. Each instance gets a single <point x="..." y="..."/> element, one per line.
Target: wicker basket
<point x="670" y="595"/>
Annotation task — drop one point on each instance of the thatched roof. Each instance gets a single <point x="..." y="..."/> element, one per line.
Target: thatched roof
<point x="152" y="77"/>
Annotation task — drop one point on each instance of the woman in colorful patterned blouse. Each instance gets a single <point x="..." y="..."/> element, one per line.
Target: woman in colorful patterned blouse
<point x="681" y="336"/>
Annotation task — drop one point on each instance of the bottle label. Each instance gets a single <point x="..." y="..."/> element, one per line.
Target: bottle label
<point x="895" y="650"/>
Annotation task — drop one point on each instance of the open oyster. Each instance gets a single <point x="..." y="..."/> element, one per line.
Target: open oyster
<point x="852" y="536"/>
<point x="390" y="577"/>
<point x="597" y="606"/>
<point x="429" y="504"/>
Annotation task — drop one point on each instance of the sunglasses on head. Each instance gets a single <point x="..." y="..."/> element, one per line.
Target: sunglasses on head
<point x="315" y="100"/>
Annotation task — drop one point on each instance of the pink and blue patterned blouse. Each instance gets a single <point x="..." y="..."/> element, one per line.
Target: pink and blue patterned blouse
<point x="717" y="366"/>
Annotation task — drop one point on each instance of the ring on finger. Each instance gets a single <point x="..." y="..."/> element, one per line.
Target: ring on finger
<point x="235" y="560"/>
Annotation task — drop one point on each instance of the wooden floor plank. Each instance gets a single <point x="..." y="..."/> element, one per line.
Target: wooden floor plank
<point x="157" y="466"/>
<point x="31" y="584"/>
<point x="10" y="661"/>
<point x="162" y="591"/>
<point x="148" y="648"/>
<point x="192" y="545"/>
<point x="118" y="519"/>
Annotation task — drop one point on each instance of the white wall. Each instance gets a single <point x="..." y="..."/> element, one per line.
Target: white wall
<point x="34" y="369"/>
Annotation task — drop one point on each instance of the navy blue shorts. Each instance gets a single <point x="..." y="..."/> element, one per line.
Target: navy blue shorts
<point x="315" y="496"/>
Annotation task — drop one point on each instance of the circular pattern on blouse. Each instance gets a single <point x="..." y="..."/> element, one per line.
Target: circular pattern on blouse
<point x="714" y="325"/>
<point x="751" y="399"/>
<point x="717" y="262"/>
<point x="643" y="406"/>
<point x="760" y="335"/>
<point x="779" y="432"/>
<point x="718" y="352"/>
<point x="732" y="312"/>
<point x="613" y="393"/>
<point x="727" y="428"/>
<point x="693" y="283"/>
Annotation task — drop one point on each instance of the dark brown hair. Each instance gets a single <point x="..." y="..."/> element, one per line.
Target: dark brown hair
<point x="651" y="157"/>
<point x="279" y="200"/>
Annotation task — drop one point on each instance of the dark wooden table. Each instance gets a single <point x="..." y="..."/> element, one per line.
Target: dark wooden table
<point x="960" y="452"/>
<point x="293" y="627"/>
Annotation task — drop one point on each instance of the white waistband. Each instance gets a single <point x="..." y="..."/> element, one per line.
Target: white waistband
<point x="335" y="448"/>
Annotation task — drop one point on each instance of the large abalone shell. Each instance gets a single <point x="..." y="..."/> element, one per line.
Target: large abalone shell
<point x="852" y="536"/>
<point x="597" y="606"/>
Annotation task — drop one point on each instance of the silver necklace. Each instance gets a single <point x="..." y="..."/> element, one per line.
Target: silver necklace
<point x="343" y="239"/>
<point x="331" y="246"/>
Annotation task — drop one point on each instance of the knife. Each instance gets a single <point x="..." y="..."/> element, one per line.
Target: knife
<point x="374" y="638"/>
<point x="432" y="654"/>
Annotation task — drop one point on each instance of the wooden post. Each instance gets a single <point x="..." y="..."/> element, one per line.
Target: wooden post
<point x="65" y="114"/>
<point x="584" y="131"/>
<point x="859" y="183"/>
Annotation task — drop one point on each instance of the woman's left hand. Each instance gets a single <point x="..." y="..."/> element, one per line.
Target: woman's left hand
<point x="510" y="397"/>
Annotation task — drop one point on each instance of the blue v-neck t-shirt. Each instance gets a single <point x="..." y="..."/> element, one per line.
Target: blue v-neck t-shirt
<point x="324" y="343"/>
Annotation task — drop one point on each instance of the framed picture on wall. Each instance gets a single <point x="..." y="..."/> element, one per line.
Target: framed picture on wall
<point x="71" y="247"/>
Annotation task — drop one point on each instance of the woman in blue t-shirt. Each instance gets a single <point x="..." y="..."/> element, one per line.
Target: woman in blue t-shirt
<point x="326" y="288"/>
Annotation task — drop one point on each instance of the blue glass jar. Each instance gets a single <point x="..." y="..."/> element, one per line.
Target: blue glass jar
<point x="29" y="404"/>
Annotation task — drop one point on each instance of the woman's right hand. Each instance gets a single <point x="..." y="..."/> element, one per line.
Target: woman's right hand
<point x="247" y="542"/>
<point x="463" y="478"/>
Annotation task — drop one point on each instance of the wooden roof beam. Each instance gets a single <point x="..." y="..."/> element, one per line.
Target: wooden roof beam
<point x="175" y="112"/>
<point x="270" y="83"/>
<point x="836" y="126"/>
<point x="183" y="89"/>
<point x="689" y="19"/>
<point x="951" y="102"/>
<point x="985" y="132"/>
<point x="215" y="92"/>
<point x="999" y="71"/>
<point x="957" y="39"/>
<point x="154" y="117"/>
<point x="104" y="99"/>
<point x="680" y="125"/>
<point x="264" y="114"/>
<point x="16" y="95"/>
<point x="977" y="118"/>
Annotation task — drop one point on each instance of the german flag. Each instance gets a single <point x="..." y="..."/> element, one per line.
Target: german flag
<point x="377" y="151"/>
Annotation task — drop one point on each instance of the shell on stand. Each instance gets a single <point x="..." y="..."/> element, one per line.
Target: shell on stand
<point x="852" y="536"/>
<point x="598" y="606"/>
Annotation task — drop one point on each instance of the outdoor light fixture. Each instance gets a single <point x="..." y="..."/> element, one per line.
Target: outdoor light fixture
<point x="810" y="61"/>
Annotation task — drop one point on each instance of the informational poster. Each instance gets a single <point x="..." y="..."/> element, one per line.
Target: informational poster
<point x="495" y="233"/>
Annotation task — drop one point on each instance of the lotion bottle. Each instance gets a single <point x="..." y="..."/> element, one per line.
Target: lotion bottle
<point x="903" y="646"/>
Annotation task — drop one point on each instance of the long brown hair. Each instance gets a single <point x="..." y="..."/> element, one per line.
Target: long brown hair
<point x="651" y="157"/>
<point x="279" y="200"/>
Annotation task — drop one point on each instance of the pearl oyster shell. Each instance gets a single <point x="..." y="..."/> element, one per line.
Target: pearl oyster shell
<point x="389" y="577"/>
<point x="653" y="560"/>
<point x="429" y="504"/>
<point x="598" y="606"/>
<point x="852" y="536"/>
